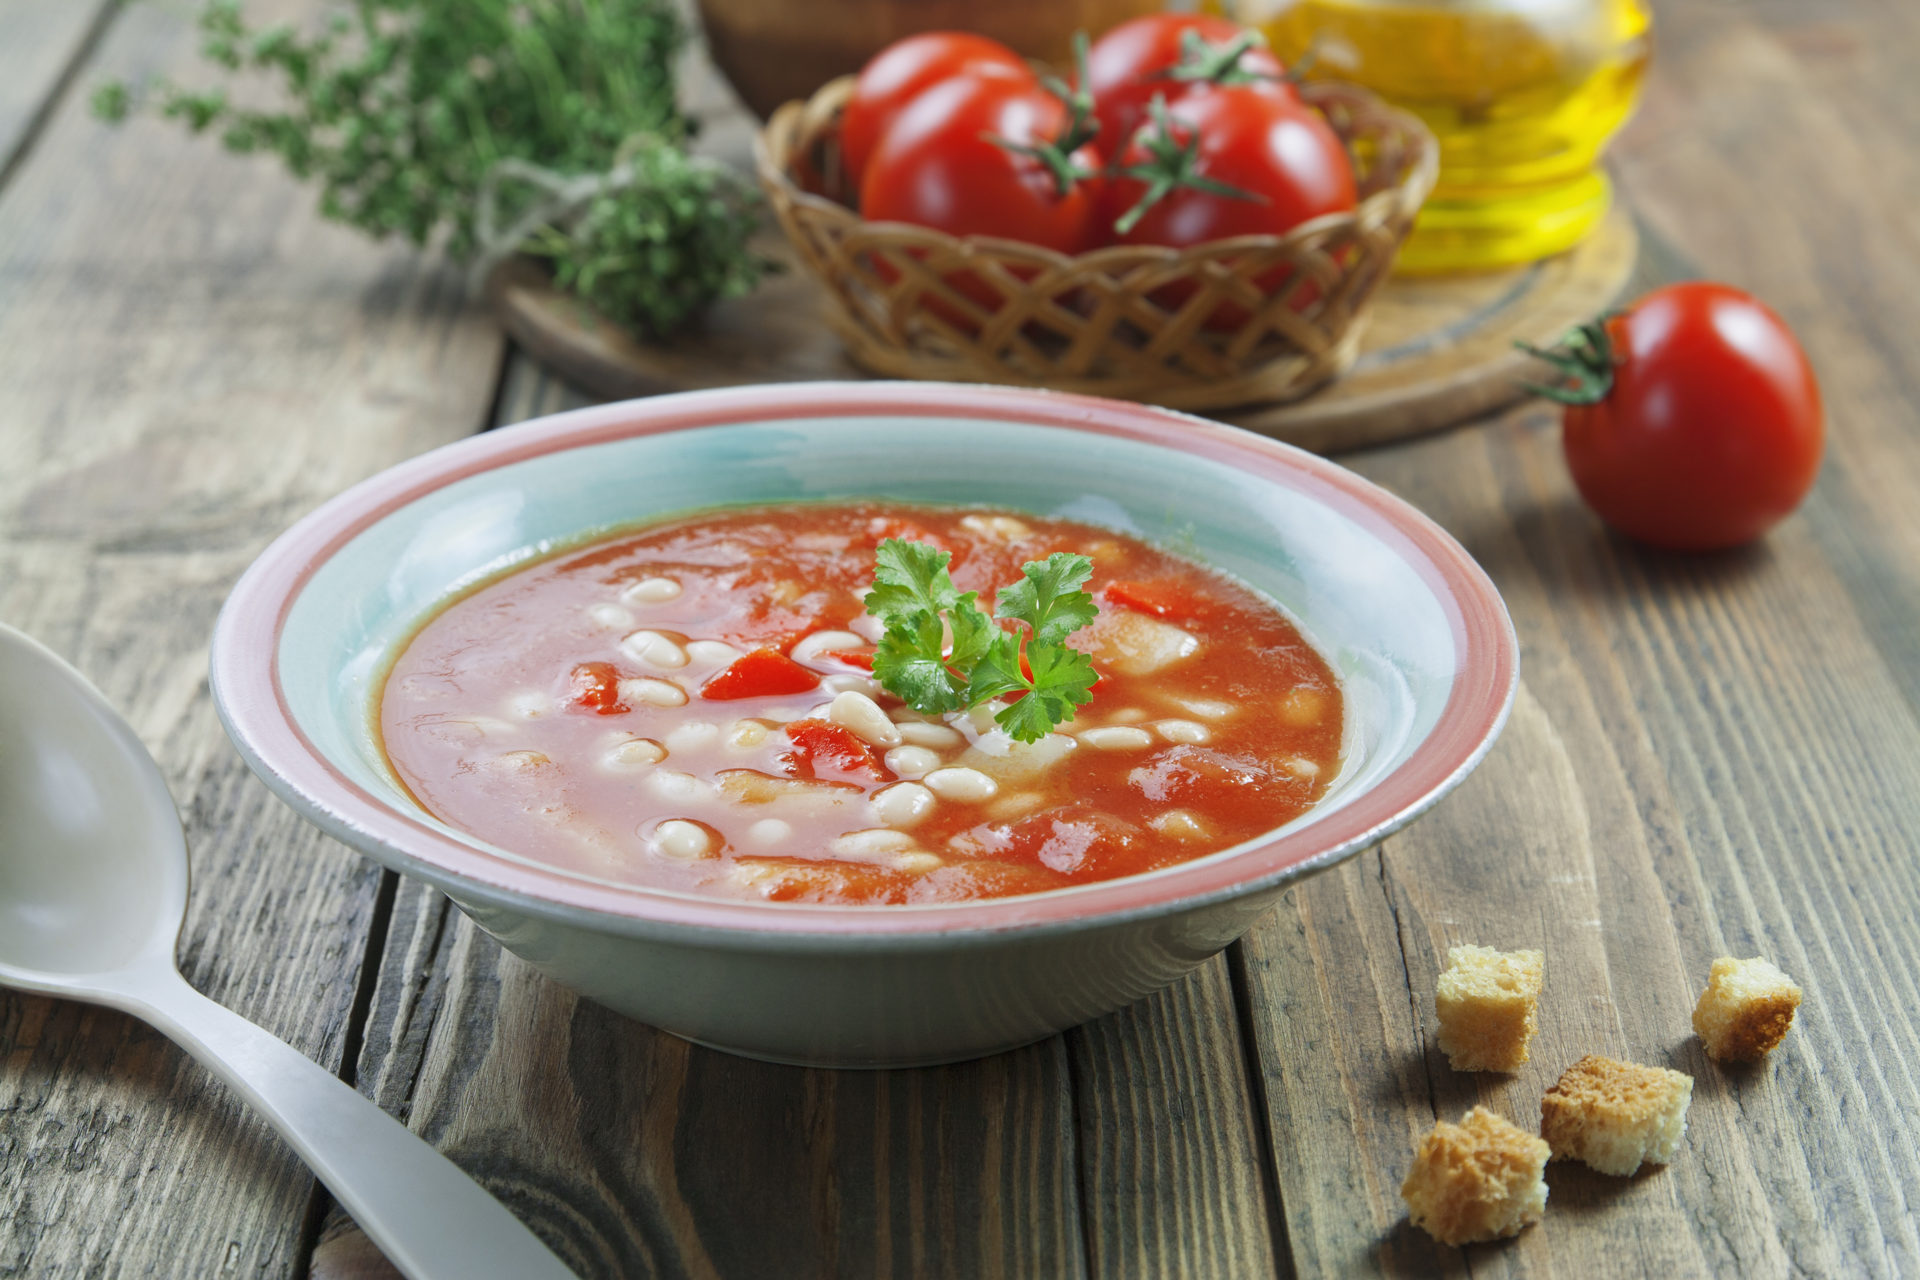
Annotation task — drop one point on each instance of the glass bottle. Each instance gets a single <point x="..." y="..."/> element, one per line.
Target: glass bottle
<point x="1523" y="95"/>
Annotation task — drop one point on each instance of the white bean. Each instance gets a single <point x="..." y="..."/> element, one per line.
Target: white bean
<point x="868" y="628"/>
<point x="654" y="649"/>
<point x="529" y="704"/>
<point x="907" y="715"/>
<point x="809" y="650"/>
<point x="960" y="784"/>
<point x="1000" y="528"/>
<point x="929" y="735"/>
<point x="671" y="784"/>
<point x="903" y="804"/>
<point x="682" y="840"/>
<point x="862" y="715"/>
<point x="651" y="591"/>
<point x="692" y="735"/>
<point x="746" y="735"/>
<point x="517" y="761"/>
<point x="1190" y="732"/>
<point x="870" y="844"/>
<point x="912" y="762"/>
<point x="1207" y="708"/>
<point x="770" y="832"/>
<point x="1127" y="715"/>
<point x="655" y="693"/>
<point x="1178" y="823"/>
<point x="1301" y="767"/>
<point x="917" y="861"/>
<point x="711" y="653"/>
<point x="634" y="754"/>
<point x="611" y="616"/>
<point x="1116" y="737"/>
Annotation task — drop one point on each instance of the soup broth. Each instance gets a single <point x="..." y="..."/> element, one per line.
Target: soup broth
<point x="690" y="706"/>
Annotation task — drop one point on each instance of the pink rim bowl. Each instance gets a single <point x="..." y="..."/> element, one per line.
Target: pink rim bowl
<point x="1417" y="633"/>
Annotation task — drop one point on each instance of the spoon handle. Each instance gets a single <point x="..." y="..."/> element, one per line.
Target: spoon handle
<point x="431" y="1220"/>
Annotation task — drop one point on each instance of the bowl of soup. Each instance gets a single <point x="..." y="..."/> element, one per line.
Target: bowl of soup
<point x="620" y="683"/>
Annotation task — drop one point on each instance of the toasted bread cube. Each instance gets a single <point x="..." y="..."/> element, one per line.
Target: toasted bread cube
<point x="1615" y="1116"/>
<point x="1746" y="1009"/>
<point x="1476" y="1180"/>
<point x="1487" y="1000"/>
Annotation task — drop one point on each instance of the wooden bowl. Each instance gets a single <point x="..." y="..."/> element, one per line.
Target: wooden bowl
<point x="773" y="51"/>
<point x="1131" y="322"/>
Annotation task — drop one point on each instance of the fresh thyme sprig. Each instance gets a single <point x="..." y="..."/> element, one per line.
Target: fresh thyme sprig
<point x="402" y="110"/>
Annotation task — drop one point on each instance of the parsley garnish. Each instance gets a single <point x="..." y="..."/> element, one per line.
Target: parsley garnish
<point x="942" y="653"/>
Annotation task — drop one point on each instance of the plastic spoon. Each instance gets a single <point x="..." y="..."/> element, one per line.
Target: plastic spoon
<point x="93" y="886"/>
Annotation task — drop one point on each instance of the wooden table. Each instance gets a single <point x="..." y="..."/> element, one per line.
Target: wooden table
<point x="1709" y="755"/>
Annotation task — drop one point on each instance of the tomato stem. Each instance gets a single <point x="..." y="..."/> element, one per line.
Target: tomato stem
<point x="1585" y="361"/>
<point x="1202" y="61"/>
<point x="1173" y="165"/>
<point x="1081" y="126"/>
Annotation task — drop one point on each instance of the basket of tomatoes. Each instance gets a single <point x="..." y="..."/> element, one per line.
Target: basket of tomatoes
<point x="1180" y="223"/>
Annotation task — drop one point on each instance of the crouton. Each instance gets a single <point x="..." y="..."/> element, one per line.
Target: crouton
<point x="1487" y="1001"/>
<point x="1746" y="1009"/>
<point x="1476" y="1180"/>
<point x="1615" y="1116"/>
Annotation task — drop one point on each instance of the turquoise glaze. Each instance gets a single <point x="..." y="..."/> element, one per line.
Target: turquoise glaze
<point x="1356" y="599"/>
<point x="1413" y="629"/>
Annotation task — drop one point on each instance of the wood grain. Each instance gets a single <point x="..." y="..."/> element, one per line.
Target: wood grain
<point x="188" y="360"/>
<point x="46" y="41"/>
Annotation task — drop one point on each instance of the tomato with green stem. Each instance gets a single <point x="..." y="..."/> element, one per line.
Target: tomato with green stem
<point x="1172" y="55"/>
<point x="1232" y="162"/>
<point x="1693" y="417"/>
<point x="904" y="70"/>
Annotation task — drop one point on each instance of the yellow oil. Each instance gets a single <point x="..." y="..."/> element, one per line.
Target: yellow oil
<point x="1523" y="95"/>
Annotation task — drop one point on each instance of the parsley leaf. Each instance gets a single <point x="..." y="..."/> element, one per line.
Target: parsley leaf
<point x="942" y="653"/>
<point x="1048" y="597"/>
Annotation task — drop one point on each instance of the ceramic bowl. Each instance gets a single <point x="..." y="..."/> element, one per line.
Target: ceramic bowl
<point x="1416" y="632"/>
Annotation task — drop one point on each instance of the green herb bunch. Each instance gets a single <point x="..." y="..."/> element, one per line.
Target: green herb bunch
<point x="941" y="652"/>
<point x="408" y="112"/>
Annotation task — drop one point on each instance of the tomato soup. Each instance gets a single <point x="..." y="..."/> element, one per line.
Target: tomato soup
<point x="691" y="706"/>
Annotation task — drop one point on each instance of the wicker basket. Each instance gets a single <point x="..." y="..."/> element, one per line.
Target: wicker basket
<point x="1102" y="322"/>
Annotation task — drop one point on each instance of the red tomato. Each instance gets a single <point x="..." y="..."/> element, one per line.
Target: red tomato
<point x="1288" y="163"/>
<point x="595" y="687"/>
<point x="758" y="674"/>
<point x="1149" y="56"/>
<point x="1708" y="429"/>
<point x="822" y="749"/>
<point x="938" y="166"/>
<point x="1162" y="599"/>
<point x="905" y="69"/>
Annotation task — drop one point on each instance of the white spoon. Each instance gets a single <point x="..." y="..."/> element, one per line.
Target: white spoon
<point x="93" y="885"/>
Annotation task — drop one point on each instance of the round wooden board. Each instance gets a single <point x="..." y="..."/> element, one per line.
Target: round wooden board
<point x="1436" y="352"/>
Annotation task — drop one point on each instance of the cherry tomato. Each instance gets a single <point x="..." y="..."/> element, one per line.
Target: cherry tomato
<point x="954" y="160"/>
<point x="1708" y="427"/>
<point x="905" y="69"/>
<point x="1136" y="60"/>
<point x="941" y="166"/>
<point x="1285" y="161"/>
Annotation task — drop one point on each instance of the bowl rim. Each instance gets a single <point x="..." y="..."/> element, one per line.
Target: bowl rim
<point x="253" y="706"/>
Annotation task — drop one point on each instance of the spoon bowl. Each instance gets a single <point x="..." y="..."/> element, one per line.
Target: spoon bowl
<point x="93" y="887"/>
<point x="93" y="864"/>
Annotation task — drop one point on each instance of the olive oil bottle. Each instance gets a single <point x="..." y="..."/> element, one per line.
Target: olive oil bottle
<point x="1523" y="95"/>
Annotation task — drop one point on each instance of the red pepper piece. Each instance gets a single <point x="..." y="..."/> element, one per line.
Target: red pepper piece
<point x="595" y="687"/>
<point x="861" y="658"/>
<point x="822" y="749"/>
<point x="759" y="674"/>
<point x="1161" y="599"/>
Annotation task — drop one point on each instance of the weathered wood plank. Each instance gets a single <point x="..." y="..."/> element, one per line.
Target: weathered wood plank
<point x="46" y="41"/>
<point x="188" y="360"/>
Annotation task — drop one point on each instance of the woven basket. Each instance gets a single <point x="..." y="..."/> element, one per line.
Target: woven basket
<point x="1101" y="322"/>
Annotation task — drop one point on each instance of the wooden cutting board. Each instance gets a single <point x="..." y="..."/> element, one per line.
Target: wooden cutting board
<point x="1437" y="352"/>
